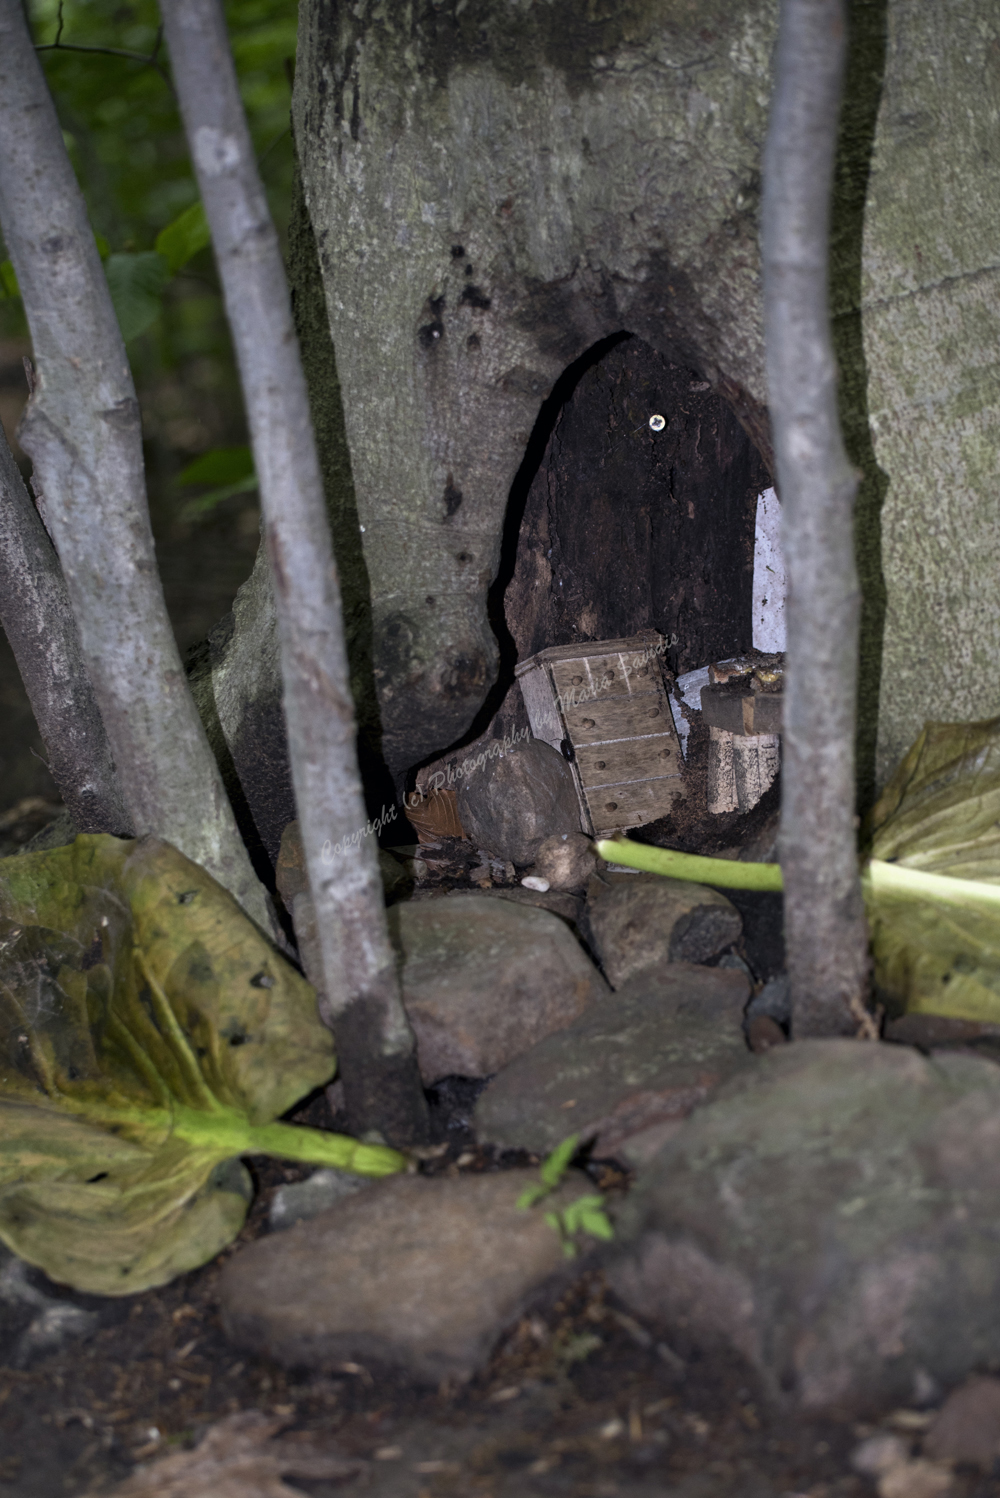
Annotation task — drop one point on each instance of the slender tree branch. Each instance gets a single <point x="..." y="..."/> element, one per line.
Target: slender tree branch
<point x="825" y="932"/>
<point x="275" y="142"/>
<point x="359" y="979"/>
<point x="148" y="59"/>
<point x="38" y="621"/>
<point x="83" y="432"/>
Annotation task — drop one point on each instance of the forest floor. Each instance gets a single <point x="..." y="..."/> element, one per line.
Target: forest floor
<point x="578" y="1400"/>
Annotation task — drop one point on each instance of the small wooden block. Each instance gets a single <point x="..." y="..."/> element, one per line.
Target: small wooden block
<point x="740" y="710"/>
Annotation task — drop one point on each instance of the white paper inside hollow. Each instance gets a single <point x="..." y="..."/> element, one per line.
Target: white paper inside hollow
<point x="768" y="576"/>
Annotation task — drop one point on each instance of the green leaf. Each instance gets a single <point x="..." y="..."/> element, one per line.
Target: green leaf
<point x="149" y="1036"/>
<point x="574" y="1213"/>
<point x="229" y="468"/>
<point x="581" y="1204"/>
<point x="555" y="1166"/>
<point x="531" y="1195"/>
<point x="223" y="465"/>
<point x="932" y="887"/>
<point x="182" y="239"/>
<point x="136" y="283"/>
<point x="597" y="1225"/>
<point x="207" y="502"/>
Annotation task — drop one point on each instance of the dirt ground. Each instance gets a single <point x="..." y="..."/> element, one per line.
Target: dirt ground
<point x="580" y="1399"/>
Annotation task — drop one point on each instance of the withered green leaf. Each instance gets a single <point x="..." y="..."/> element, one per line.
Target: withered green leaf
<point x="932" y="887"/>
<point x="149" y="1036"/>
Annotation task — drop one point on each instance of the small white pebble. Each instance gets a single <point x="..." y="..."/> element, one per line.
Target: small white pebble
<point x="533" y="881"/>
<point x="613" y="1429"/>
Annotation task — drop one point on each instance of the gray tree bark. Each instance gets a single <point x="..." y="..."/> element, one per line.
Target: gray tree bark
<point x="359" y="980"/>
<point x="82" y="430"/>
<point x="602" y="177"/>
<point x="825" y="931"/>
<point x="38" y="621"/>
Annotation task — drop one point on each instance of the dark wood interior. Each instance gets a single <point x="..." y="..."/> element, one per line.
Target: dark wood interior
<point x="626" y="528"/>
<point x="613" y="527"/>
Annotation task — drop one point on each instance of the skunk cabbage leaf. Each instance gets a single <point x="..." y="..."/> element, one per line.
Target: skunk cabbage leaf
<point x="933" y="885"/>
<point x="149" y="1036"/>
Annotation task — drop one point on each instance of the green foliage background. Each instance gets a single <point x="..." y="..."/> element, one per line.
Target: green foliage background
<point x="125" y="139"/>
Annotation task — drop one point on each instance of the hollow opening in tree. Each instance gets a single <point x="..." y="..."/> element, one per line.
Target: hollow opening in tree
<point x="618" y="524"/>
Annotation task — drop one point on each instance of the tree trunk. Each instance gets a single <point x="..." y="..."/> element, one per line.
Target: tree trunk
<point x="38" y="621"/>
<point x="360" y="983"/>
<point x="825" y="932"/>
<point x="82" y="430"/>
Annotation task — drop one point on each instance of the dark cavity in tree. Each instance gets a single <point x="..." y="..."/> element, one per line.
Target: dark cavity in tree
<point x="452" y="496"/>
<point x="612" y="528"/>
<point x="473" y="297"/>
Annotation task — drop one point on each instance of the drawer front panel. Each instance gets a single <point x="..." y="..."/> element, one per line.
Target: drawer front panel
<point x="619" y="718"/>
<point x="595" y="677"/>
<point x="633" y="759"/>
<point x="615" y="806"/>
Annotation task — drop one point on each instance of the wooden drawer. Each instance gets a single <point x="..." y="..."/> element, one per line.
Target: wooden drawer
<point x="630" y="759"/>
<point x="618" y="718"/>
<point x="593" y="678"/>
<point x="613" y="807"/>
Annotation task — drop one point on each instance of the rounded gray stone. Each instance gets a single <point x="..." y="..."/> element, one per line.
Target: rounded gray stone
<point x="485" y="979"/>
<point x="638" y="1061"/>
<point x="832" y="1215"/>
<point x="642" y="921"/>
<point x="516" y="801"/>
<point x="566" y="861"/>
<point x="412" y="1273"/>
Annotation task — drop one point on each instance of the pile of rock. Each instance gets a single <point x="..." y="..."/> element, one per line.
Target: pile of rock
<point x="827" y="1209"/>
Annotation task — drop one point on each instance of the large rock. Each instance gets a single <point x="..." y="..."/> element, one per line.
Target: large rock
<point x="628" y="1070"/>
<point x="484" y="979"/>
<point x="412" y="1273"/>
<point x="832" y="1215"/>
<point x="569" y="907"/>
<point x="642" y="921"/>
<point x="515" y="801"/>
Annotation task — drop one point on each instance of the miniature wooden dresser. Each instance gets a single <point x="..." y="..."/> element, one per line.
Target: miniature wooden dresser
<point x="604" y="706"/>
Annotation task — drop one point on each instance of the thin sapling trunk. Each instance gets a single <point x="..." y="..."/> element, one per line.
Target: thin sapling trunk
<point x="360" y="984"/>
<point x="38" y="621"/>
<point x="825" y="931"/>
<point x="82" y="430"/>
